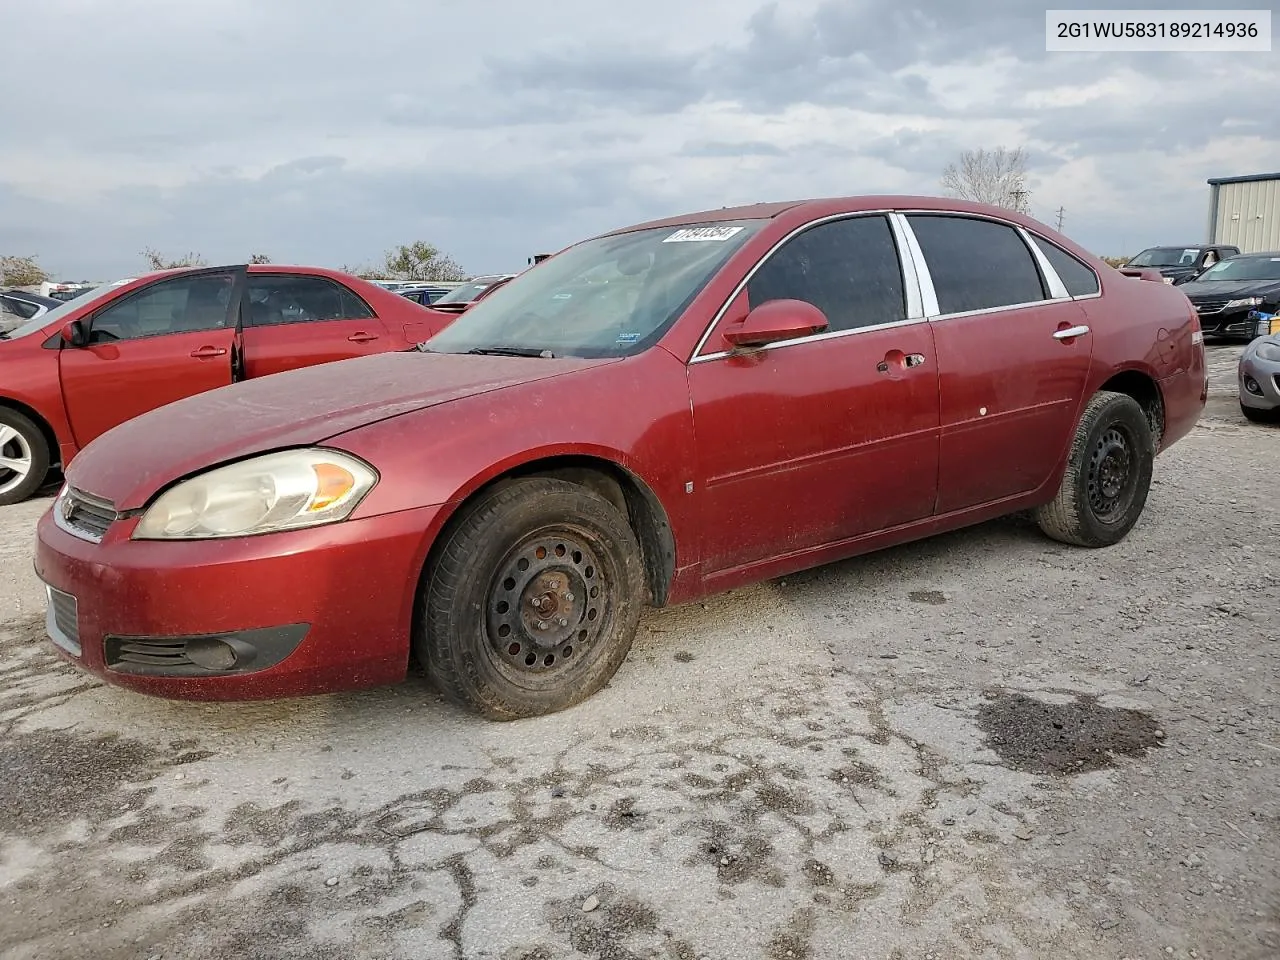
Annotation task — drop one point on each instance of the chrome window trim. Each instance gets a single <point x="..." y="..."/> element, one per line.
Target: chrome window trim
<point x="1057" y="289"/>
<point x="928" y="295"/>
<point x="1097" y="279"/>
<point x="911" y="303"/>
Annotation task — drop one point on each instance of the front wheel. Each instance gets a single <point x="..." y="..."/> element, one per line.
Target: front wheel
<point x="1108" y="475"/>
<point x="24" y="457"/>
<point x="532" y="600"/>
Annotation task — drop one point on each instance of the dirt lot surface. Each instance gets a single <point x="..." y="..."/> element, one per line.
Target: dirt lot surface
<point x="982" y="745"/>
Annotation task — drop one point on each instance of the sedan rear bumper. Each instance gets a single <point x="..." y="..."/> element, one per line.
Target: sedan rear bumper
<point x="285" y="614"/>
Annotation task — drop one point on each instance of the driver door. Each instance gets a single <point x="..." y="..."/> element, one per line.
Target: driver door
<point x="169" y="340"/>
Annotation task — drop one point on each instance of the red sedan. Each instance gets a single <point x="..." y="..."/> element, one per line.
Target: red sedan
<point x="654" y="414"/>
<point x="122" y="349"/>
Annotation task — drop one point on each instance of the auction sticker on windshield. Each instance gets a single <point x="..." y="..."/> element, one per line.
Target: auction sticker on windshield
<point x="691" y="234"/>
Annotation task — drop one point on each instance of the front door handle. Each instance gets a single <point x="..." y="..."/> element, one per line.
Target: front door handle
<point x="362" y="337"/>
<point x="1070" y="333"/>
<point x="205" y="352"/>
<point x="898" y="358"/>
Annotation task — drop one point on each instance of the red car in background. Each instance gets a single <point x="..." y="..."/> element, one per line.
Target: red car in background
<point x="662" y="412"/>
<point x="122" y="349"/>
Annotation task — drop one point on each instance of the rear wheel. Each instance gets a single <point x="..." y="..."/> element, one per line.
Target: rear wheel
<point x="1108" y="475"/>
<point x="1254" y="415"/>
<point x="532" y="601"/>
<point x="24" y="457"/>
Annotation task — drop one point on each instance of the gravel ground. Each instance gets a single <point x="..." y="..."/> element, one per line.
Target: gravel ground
<point x="983" y="745"/>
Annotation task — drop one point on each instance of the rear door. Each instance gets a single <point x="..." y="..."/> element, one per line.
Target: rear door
<point x="825" y="438"/>
<point x="294" y="320"/>
<point x="168" y="340"/>
<point x="1014" y="351"/>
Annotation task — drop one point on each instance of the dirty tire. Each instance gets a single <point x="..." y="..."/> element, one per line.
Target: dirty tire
<point x="1254" y="415"/>
<point x="21" y="439"/>
<point x="532" y="600"/>
<point x="1108" y="475"/>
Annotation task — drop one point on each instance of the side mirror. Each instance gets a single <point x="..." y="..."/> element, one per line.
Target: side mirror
<point x="777" y="320"/>
<point x="74" y="333"/>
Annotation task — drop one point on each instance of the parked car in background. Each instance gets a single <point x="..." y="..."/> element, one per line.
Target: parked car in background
<point x="753" y="391"/>
<point x="17" y="307"/>
<point x="1258" y="374"/>
<point x="1226" y="294"/>
<point x="1177" y="264"/>
<point x="470" y="293"/>
<point x="425" y="295"/>
<point x="71" y="374"/>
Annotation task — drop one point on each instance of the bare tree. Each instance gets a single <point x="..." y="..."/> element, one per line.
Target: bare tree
<point x="996" y="176"/>
<point x="157" y="261"/>
<point x="421" y="261"/>
<point x="21" y="272"/>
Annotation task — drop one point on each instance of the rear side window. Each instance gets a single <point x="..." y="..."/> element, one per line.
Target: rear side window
<point x="848" y="269"/>
<point x="1079" y="280"/>
<point x="291" y="298"/>
<point x="18" y="308"/>
<point x="976" y="264"/>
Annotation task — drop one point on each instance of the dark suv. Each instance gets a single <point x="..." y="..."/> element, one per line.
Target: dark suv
<point x="1178" y="264"/>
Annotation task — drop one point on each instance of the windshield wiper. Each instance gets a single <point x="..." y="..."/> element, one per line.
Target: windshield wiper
<point x="514" y="352"/>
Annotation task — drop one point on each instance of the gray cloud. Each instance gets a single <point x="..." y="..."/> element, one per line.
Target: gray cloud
<point x="321" y="131"/>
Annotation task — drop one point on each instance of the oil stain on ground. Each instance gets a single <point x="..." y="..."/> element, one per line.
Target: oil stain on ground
<point x="1060" y="738"/>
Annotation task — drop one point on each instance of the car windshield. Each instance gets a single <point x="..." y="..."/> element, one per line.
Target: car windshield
<point x="1166" y="257"/>
<point x="468" y="291"/>
<point x="56" y="315"/>
<point x="609" y="297"/>
<point x="1243" y="268"/>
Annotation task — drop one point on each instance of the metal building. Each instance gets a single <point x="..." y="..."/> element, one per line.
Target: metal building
<point x="1245" y="212"/>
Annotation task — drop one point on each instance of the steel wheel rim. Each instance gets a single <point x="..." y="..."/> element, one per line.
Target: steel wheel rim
<point x="15" y="458"/>
<point x="547" y="606"/>
<point x="1113" y="475"/>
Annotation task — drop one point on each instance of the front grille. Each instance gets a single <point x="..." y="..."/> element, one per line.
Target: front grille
<point x="83" y="515"/>
<point x="147" y="653"/>
<point x="63" y="620"/>
<point x="1210" y="306"/>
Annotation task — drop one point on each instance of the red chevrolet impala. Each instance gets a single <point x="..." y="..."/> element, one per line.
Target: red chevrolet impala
<point x="124" y="348"/>
<point x="651" y="415"/>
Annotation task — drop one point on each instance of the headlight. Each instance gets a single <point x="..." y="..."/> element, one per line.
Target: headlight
<point x="1269" y="351"/>
<point x="1243" y="302"/>
<point x="278" y="491"/>
<point x="1168" y="279"/>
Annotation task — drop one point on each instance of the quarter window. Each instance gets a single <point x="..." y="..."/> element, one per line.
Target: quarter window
<point x="181" y="305"/>
<point x="289" y="298"/>
<point x="848" y="269"/>
<point x="1079" y="280"/>
<point x="976" y="264"/>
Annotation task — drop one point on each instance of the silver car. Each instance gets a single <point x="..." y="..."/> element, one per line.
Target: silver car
<point x="1259" y="377"/>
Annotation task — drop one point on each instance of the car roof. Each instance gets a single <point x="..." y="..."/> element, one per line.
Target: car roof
<point x="832" y="205"/>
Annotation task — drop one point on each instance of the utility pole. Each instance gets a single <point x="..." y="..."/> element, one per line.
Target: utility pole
<point x="1017" y="193"/>
<point x="1061" y="211"/>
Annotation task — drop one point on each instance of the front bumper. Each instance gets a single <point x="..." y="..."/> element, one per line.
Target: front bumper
<point x="279" y="615"/>
<point x="1237" y="323"/>
<point x="1258" y="381"/>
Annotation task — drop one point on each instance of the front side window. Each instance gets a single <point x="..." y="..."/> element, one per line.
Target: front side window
<point x="180" y="305"/>
<point x="613" y="296"/>
<point x="976" y="264"/>
<point x="292" y="298"/>
<point x="1165" y="257"/>
<point x="1076" y="276"/>
<point x="848" y="269"/>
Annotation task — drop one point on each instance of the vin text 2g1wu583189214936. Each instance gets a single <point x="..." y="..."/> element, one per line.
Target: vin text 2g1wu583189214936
<point x="664" y="411"/>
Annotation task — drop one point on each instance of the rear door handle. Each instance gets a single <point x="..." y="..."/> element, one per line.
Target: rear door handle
<point x="895" y="357"/>
<point x="362" y="337"/>
<point x="205" y="352"/>
<point x="1070" y="333"/>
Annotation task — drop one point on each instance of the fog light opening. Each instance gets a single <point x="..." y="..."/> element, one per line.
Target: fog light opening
<point x="1252" y="386"/>
<point x="212" y="653"/>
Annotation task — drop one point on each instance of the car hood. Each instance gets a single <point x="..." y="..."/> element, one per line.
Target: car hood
<point x="1230" y="289"/>
<point x="129" y="463"/>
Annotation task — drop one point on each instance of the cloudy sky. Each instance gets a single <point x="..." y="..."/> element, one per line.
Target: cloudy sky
<point x="326" y="131"/>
